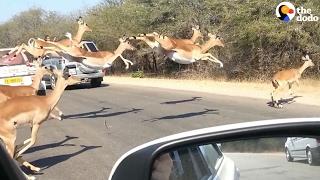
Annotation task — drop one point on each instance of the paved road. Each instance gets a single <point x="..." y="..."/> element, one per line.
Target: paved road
<point x="272" y="166"/>
<point x="103" y="123"/>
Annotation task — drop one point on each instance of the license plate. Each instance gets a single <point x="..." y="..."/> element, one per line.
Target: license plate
<point x="13" y="80"/>
<point x="72" y="71"/>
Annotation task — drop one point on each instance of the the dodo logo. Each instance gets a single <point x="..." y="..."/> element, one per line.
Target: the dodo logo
<point x="285" y="11"/>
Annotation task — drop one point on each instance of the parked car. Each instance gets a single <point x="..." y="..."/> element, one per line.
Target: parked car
<point x="307" y="148"/>
<point x="17" y="71"/>
<point x="69" y="64"/>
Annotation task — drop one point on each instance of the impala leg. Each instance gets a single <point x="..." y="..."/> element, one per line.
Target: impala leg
<point x="21" y="146"/>
<point x="27" y="164"/>
<point x="10" y="52"/>
<point x="275" y="97"/>
<point x="126" y="61"/>
<point x="53" y="116"/>
<point x="34" y="133"/>
<point x="209" y="57"/>
<point x="10" y="149"/>
<point x="9" y="146"/>
<point x="58" y="110"/>
<point x="290" y="88"/>
<point x="20" y="48"/>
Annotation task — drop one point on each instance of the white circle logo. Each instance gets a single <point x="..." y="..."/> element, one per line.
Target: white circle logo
<point x="285" y="11"/>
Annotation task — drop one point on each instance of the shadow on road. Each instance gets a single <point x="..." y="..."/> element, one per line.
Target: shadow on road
<point x="48" y="162"/>
<point x="91" y="113"/>
<point x="183" y="101"/>
<point x="186" y="115"/>
<point x="284" y="101"/>
<point x="84" y="86"/>
<point x="100" y="113"/>
<point x="52" y="145"/>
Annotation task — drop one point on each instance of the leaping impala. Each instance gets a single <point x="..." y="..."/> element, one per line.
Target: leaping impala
<point x="29" y="109"/>
<point x="9" y="92"/>
<point x="287" y="77"/>
<point x="39" y="47"/>
<point x="188" y="53"/>
<point x="100" y="59"/>
<point x="75" y="41"/>
<point x="153" y="44"/>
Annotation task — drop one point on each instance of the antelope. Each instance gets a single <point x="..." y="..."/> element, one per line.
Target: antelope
<point x="288" y="77"/>
<point x="189" y="53"/>
<point x="150" y="40"/>
<point x="82" y="28"/>
<point x="9" y="92"/>
<point x="100" y="59"/>
<point x="29" y="109"/>
<point x="40" y="47"/>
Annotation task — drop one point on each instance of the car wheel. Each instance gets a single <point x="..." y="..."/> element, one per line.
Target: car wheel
<point x="288" y="156"/>
<point x="310" y="157"/>
<point x="53" y="81"/>
<point x="96" y="82"/>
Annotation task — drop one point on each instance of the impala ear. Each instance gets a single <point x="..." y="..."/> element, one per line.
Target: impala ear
<point x="305" y="58"/>
<point x="213" y="36"/>
<point x="80" y="20"/>
<point x="155" y="33"/>
<point x="197" y="27"/>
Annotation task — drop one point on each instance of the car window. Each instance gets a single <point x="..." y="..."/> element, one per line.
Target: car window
<point x="195" y="162"/>
<point x="91" y="47"/>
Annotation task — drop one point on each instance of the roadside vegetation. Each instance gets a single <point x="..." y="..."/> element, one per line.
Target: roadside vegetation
<point x="257" y="44"/>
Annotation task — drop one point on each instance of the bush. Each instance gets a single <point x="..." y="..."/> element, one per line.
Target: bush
<point x="137" y="74"/>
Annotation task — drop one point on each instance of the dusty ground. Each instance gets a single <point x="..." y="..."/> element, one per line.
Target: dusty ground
<point x="307" y="93"/>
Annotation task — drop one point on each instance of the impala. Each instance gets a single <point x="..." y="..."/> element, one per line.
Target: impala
<point x="151" y="42"/>
<point x="288" y="77"/>
<point x="100" y="59"/>
<point x="29" y="109"/>
<point x="39" y="47"/>
<point x="189" y="53"/>
<point x="82" y="28"/>
<point x="8" y="92"/>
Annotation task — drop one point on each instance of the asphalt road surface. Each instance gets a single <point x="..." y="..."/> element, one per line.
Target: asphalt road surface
<point x="272" y="166"/>
<point x="103" y="123"/>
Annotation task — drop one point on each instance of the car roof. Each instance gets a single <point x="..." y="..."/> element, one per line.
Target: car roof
<point x="143" y="155"/>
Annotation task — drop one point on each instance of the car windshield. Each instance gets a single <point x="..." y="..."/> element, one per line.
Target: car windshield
<point x="115" y="74"/>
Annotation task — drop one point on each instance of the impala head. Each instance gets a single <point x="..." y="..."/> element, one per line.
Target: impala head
<point x="196" y="31"/>
<point x="65" y="78"/>
<point x="124" y="43"/>
<point x="149" y="37"/>
<point x="308" y="62"/>
<point x="83" y="26"/>
<point x="44" y="70"/>
<point x="216" y="40"/>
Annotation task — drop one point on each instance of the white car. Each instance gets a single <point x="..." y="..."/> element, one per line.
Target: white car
<point x="307" y="148"/>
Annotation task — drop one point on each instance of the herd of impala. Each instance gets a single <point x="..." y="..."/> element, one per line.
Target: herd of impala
<point x="21" y="105"/>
